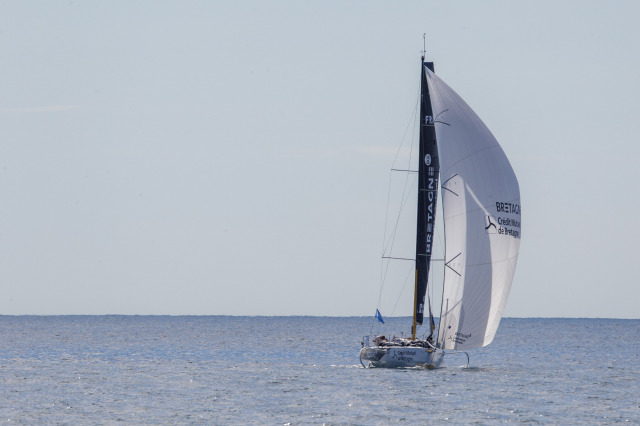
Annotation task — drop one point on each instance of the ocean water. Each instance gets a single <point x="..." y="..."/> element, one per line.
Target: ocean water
<point x="305" y="370"/>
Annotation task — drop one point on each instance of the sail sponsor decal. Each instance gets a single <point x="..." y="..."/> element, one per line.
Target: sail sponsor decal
<point x="458" y="337"/>
<point x="491" y="227"/>
<point x="428" y="172"/>
<point x="504" y="223"/>
<point x="508" y="208"/>
<point x="453" y="333"/>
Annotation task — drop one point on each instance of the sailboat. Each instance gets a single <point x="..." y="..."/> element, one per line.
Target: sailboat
<point x="482" y="229"/>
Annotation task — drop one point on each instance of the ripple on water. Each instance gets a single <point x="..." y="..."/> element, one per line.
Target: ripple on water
<point x="198" y="369"/>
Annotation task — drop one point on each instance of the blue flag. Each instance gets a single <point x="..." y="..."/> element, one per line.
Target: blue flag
<point x="379" y="316"/>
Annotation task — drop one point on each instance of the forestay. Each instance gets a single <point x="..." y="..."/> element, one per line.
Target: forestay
<point x="481" y="211"/>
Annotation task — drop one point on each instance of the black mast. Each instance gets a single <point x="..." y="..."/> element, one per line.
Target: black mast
<point x="428" y="173"/>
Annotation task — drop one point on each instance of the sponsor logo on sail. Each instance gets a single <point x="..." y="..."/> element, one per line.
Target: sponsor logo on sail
<point x="509" y="226"/>
<point x="508" y="208"/>
<point x="490" y="227"/>
<point x="459" y="338"/>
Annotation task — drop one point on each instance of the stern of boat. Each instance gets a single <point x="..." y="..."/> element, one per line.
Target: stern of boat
<point x="401" y="357"/>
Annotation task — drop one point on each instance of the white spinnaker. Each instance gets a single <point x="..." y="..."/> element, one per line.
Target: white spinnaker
<point x="481" y="211"/>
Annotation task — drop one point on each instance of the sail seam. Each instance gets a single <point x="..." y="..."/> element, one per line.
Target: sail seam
<point x="494" y="146"/>
<point x="492" y="263"/>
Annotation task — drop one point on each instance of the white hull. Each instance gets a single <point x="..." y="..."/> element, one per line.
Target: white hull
<point x="401" y="357"/>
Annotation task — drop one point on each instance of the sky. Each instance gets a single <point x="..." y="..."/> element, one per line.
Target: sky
<point x="232" y="158"/>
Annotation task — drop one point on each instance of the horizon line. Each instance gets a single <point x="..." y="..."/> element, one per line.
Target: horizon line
<point x="279" y="316"/>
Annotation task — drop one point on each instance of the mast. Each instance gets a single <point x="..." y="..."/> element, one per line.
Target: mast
<point x="428" y="173"/>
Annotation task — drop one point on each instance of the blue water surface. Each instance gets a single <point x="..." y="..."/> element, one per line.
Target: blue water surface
<point x="305" y="370"/>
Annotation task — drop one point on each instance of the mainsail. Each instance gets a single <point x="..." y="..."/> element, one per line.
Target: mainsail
<point x="428" y="170"/>
<point x="481" y="212"/>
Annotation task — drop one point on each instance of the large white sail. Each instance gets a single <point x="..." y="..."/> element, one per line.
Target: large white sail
<point x="481" y="211"/>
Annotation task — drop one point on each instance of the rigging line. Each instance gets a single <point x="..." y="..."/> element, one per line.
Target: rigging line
<point x="402" y="290"/>
<point x="384" y="237"/>
<point x="403" y="202"/>
<point x="395" y="229"/>
<point x="411" y="120"/>
<point x="454" y="258"/>
<point x="456" y="272"/>
<point x="413" y="134"/>
<point x="450" y="191"/>
<point x="383" y="272"/>
<point x="445" y="182"/>
<point x="406" y="191"/>
<point x="393" y="239"/>
<point x="440" y="113"/>
<point x="384" y="243"/>
<point x="413" y="260"/>
<point x="413" y="138"/>
<point x="404" y="170"/>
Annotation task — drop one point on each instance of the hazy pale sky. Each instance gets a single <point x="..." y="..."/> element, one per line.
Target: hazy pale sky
<point x="202" y="157"/>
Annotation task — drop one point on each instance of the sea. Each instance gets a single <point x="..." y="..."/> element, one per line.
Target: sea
<point x="306" y="370"/>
